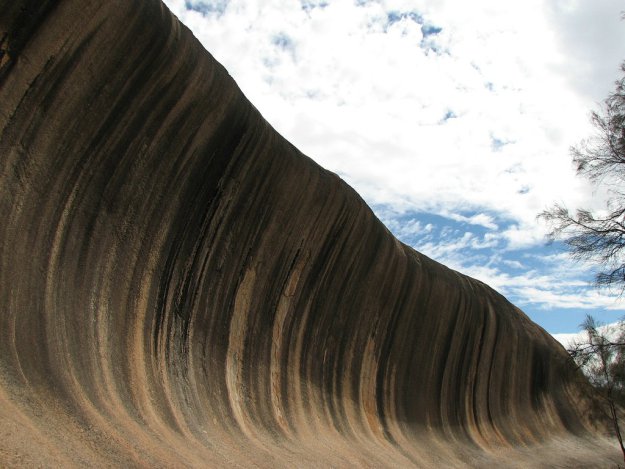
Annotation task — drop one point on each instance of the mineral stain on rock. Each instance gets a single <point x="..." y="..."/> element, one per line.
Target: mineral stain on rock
<point x="180" y="286"/>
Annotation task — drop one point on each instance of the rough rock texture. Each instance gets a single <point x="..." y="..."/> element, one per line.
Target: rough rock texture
<point x="179" y="285"/>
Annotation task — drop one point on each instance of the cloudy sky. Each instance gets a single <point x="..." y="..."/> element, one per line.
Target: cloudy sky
<point x="452" y="119"/>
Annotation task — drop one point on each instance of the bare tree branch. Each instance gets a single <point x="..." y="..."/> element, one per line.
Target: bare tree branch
<point x="601" y="357"/>
<point x="600" y="158"/>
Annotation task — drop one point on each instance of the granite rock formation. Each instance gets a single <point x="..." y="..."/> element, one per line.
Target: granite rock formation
<point x="180" y="286"/>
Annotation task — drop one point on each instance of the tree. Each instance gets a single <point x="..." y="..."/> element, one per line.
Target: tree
<point x="601" y="357"/>
<point x="599" y="238"/>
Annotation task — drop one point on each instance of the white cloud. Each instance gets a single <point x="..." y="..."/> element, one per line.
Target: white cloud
<point x="513" y="264"/>
<point x="523" y="236"/>
<point x="480" y="219"/>
<point x="611" y="331"/>
<point x="592" y="35"/>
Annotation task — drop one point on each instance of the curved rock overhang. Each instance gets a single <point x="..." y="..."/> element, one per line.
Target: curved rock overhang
<point x="179" y="285"/>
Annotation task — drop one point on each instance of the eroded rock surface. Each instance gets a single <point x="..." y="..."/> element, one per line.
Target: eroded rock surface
<point x="179" y="285"/>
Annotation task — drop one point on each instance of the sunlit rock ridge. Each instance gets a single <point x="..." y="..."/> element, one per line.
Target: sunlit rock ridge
<point x="180" y="286"/>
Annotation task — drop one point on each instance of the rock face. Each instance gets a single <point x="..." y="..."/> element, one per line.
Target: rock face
<point x="179" y="285"/>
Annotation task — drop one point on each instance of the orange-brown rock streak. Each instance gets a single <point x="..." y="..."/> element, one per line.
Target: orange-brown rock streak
<point x="180" y="286"/>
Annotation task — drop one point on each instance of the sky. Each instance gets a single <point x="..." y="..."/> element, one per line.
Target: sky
<point x="452" y="119"/>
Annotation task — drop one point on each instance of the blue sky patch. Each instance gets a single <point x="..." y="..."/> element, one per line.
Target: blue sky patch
<point x="308" y="5"/>
<point x="552" y="320"/>
<point x="430" y="30"/>
<point x="393" y="17"/>
<point x="207" y="7"/>
<point x="427" y="29"/>
<point x="283" y="41"/>
<point x="496" y="144"/>
<point x="285" y="44"/>
<point x="449" y="115"/>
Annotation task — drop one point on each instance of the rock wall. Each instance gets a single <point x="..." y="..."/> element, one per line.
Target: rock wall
<point x="179" y="285"/>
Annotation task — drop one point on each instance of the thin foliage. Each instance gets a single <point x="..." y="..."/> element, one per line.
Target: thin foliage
<point x="599" y="238"/>
<point x="601" y="357"/>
